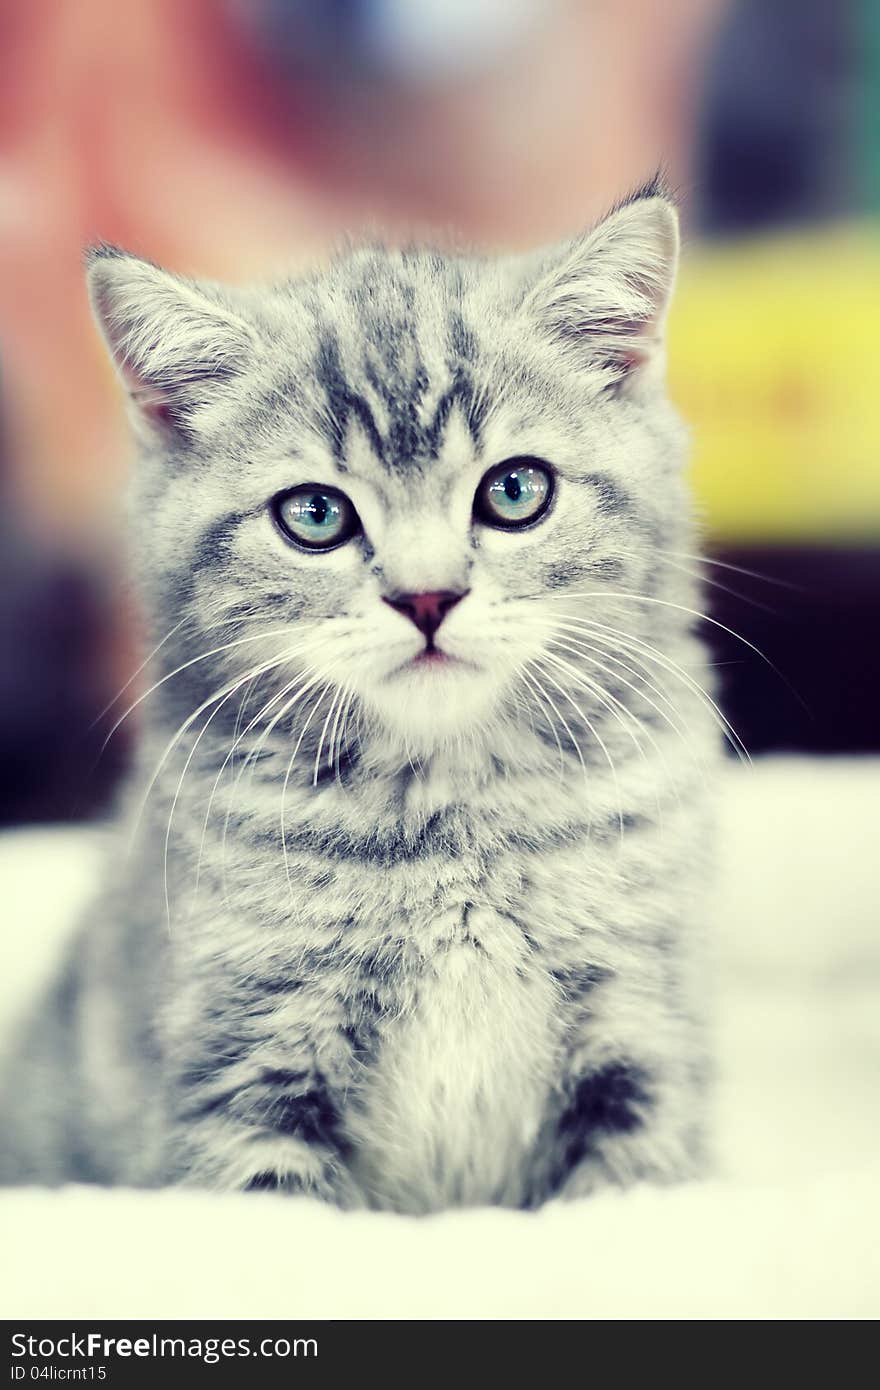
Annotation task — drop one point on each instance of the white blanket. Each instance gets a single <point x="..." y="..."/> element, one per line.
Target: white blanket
<point x="788" y="1229"/>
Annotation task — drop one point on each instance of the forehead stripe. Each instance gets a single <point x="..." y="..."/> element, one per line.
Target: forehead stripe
<point x="408" y="442"/>
<point x="342" y="402"/>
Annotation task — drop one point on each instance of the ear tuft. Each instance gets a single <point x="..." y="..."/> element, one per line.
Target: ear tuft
<point x="657" y="186"/>
<point x="173" y="340"/>
<point x="604" y="297"/>
<point x="103" y="250"/>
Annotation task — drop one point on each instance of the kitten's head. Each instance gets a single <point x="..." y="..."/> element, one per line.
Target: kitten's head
<point x="401" y="471"/>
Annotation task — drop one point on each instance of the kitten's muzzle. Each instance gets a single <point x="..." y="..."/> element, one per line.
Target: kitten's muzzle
<point x="427" y="611"/>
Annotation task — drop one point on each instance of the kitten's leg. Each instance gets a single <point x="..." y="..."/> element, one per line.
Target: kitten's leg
<point x="38" y="1102"/>
<point x="632" y="1099"/>
<point x="48" y="1133"/>
<point x="257" y="1101"/>
<point x="619" y="1128"/>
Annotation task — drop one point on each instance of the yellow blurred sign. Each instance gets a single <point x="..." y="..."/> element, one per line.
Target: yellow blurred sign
<point x="774" y="359"/>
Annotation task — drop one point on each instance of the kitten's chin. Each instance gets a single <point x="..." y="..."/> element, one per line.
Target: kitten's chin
<point x="434" y="699"/>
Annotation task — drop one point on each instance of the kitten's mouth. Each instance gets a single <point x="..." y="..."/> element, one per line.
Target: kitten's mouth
<point x="433" y="658"/>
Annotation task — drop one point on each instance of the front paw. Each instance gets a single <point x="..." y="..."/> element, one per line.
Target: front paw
<point x="649" y="1157"/>
<point x="237" y="1158"/>
<point x="268" y="1181"/>
<point x="330" y="1184"/>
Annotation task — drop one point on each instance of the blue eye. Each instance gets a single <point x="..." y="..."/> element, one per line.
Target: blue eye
<point x="514" y="494"/>
<point x="316" y="518"/>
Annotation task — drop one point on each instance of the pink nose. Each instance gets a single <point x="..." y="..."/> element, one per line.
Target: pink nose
<point x="427" y="611"/>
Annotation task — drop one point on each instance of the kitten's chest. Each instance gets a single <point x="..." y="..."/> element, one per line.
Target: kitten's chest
<point x="456" y="1085"/>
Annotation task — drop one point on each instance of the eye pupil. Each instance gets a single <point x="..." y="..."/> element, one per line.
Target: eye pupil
<point x="513" y="487"/>
<point x="319" y="508"/>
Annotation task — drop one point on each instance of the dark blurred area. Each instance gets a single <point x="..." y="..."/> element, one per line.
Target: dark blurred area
<point x="814" y="615"/>
<point x="55" y="619"/>
<point x="781" y="115"/>
<point x="228" y="138"/>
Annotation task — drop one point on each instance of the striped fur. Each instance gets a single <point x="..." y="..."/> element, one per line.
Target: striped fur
<point x="398" y="936"/>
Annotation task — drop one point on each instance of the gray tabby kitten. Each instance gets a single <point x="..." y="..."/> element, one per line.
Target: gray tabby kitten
<point x="408" y="905"/>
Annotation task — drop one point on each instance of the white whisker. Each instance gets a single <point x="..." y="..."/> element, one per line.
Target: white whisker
<point x="679" y="725"/>
<point x="238" y="739"/>
<point x="203" y="656"/>
<point x="617" y="710"/>
<point x="134" y="675"/>
<point x="638" y="674"/>
<point x="636" y="646"/>
<point x="528" y="681"/>
<point x="253" y="755"/>
<point x="707" y="580"/>
<point x="336" y="697"/>
<point x="681" y="608"/>
<point x="324" y="690"/>
<point x="596" y="735"/>
<point x="221" y="694"/>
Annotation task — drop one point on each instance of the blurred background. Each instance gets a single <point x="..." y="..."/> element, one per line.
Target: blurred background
<point x="231" y="138"/>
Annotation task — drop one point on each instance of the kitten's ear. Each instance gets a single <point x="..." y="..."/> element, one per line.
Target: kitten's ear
<point x="173" y="341"/>
<point x="604" y="297"/>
